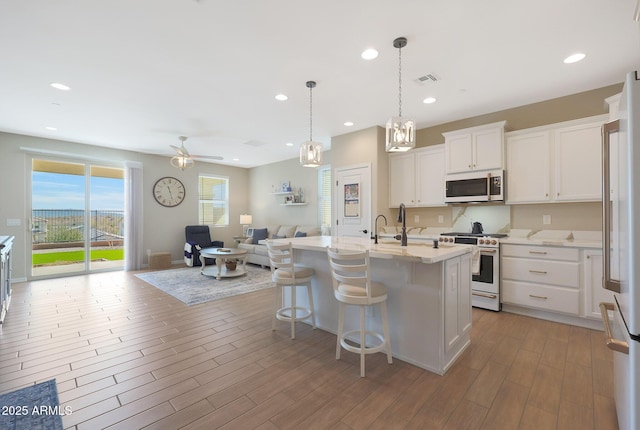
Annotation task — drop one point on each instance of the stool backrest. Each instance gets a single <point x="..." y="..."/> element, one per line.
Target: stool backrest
<point x="281" y="257"/>
<point x="350" y="267"/>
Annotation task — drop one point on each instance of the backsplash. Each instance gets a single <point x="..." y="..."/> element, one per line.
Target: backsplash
<point x="494" y="219"/>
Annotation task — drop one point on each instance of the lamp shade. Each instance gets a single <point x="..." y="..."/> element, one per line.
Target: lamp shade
<point x="400" y="134"/>
<point x="245" y="219"/>
<point x="181" y="162"/>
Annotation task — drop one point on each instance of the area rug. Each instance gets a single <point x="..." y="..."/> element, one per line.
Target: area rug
<point x="192" y="288"/>
<point x="32" y="408"/>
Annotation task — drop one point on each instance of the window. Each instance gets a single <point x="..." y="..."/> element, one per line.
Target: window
<point x="324" y="196"/>
<point x="213" y="200"/>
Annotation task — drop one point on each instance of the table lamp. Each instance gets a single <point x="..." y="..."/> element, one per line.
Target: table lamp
<point x="245" y="220"/>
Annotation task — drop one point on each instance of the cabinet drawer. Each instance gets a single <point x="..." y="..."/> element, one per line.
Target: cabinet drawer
<point x="541" y="252"/>
<point x="541" y="297"/>
<point x="560" y="273"/>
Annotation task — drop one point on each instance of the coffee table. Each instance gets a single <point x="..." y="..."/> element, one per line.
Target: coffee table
<point x="222" y="255"/>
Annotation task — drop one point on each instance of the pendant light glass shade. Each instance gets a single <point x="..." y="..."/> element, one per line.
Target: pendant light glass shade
<point x="311" y="154"/>
<point x="310" y="151"/>
<point x="401" y="135"/>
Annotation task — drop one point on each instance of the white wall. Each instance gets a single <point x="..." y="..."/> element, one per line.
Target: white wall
<point x="163" y="227"/>
<point x="265" y="207"/>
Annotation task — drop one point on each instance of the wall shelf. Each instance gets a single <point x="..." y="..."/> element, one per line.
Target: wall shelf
<point x="282" y="193"/>
<point x="293" y="204"/>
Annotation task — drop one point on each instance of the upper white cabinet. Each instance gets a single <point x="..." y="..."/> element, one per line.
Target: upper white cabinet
<point x="475" y="148"/>
<point x="555" y="163"/>
<point x="416" y="178"/>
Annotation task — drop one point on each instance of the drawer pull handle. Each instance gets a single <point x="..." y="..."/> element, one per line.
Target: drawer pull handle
<point x="537" y="297"/>
<point x="538" y="252"/>
<point x="541" y="272"/>
<point x="487" y="296"/>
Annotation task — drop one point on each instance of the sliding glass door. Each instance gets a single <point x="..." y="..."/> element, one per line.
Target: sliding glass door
<point x="77" y="212"/>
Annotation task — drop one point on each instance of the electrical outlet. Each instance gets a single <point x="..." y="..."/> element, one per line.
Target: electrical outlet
<point x="440" y="219"/>
<point x="416" y="218"/>
<point x="546" y="219"/>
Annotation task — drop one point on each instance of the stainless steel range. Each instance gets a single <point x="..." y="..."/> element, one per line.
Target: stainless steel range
<point x="485" y="283"/>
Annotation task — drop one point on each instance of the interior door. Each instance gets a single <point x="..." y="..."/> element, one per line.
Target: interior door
<point x="353" y="192"/>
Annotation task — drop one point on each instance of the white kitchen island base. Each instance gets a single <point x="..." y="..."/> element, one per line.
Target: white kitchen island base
<point x="429" y="301"/>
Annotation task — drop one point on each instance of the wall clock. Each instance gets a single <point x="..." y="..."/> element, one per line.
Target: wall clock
<point x="168" y="191"/>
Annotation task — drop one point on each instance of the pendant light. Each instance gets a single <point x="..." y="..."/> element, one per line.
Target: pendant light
<point x="400" y="131"/>
<point x="310" y="151"/>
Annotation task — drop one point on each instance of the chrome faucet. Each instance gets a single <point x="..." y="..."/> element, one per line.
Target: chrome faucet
<point x="375" y="236"/>
<point x="402" y="217"/>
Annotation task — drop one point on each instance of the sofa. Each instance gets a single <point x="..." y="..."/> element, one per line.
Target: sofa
<point x="255" y="244"/>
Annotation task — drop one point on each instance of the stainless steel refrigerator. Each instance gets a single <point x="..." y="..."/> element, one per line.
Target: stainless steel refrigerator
<point x="621" y="250"/>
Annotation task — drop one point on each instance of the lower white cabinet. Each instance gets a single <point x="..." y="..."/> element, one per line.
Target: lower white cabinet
<point x="457" y="301"/>
<point x="594" y="293"/>
<point x="541" y="277"/>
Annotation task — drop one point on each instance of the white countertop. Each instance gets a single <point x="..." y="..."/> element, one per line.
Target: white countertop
<point x="574" y="239"/>
<point x="417" y="252"/>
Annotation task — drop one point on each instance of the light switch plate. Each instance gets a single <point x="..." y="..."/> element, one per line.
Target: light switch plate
<point x="440" y="219"/>
<point x="416" y="218"/>
<point x="546" y="219"/>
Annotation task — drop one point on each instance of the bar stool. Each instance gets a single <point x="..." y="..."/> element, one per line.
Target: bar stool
<point x="352" y="285"/>
<point x="284" y="273"/>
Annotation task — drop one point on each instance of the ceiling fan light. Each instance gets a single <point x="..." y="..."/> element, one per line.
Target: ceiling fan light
<point x="181" y="162"/>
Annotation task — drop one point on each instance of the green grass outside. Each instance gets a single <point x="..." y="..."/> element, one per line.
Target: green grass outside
<point x="76" y="256"/>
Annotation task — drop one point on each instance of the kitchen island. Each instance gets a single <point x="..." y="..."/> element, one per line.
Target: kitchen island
<point x="429" y="299"/>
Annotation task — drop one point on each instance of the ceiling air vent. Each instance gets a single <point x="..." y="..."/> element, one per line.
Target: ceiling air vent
<point x="430" y="77"/>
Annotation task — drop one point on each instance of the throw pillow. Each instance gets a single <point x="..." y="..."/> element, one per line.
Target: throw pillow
<point x="301" y="234"/>
<point x="259" y="234"/>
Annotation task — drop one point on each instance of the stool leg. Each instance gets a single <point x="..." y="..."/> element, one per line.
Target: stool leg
<point x="293" y="312"/>
<point x="385" y="327"/>
<point x="339" y="334"/>
<point x="311" y="308"/>
<point x="276" y="305"/>
<point x="363" y="334"/>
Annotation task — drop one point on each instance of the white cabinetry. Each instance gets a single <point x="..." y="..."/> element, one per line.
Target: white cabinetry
<point x="457" y="302"/>
<point x="555" y="163"/>
<point x="541" y="277"/>
<point x="593" y="291"/>
<point x="475" y="148"/>
<point x="416" y="178"/>
<point x="578" y="162"/>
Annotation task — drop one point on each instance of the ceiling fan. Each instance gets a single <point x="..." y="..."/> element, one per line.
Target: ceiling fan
<point x="183" y="160"/>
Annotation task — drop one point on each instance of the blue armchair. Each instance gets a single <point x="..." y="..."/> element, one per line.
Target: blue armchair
<point x="198" y="237"/>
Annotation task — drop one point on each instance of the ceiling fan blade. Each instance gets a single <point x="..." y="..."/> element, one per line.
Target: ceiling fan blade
<point x="210" y="157"/>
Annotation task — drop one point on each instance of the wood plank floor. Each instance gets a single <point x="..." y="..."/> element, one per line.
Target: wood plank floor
<point x="128" y="356"/>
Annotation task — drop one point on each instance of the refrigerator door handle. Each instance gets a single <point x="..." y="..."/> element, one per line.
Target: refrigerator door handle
<point x="613" y="344"/>
<point x="607" y="282"/>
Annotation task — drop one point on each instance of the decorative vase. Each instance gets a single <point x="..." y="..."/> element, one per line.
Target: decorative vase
<point x="231" y="265"/>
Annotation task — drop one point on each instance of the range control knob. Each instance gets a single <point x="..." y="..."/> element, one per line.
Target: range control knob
<point x="494" y="242"/>
<point x="481" y="241"/>
<point x="441" y="239"/>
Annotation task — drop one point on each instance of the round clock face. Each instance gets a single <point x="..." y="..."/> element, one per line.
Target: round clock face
<point x="168" y="191"/>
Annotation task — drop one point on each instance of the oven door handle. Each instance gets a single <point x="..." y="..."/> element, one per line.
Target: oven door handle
<point x="488" y="251"/>
<point x="613" y="344"/>
<point x="486" y="296"/>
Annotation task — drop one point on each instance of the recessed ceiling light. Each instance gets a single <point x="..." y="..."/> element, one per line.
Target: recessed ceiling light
<point x="281" y="97"/>
<point x="288" y="144"/>
<point x="51" y="128"/>
<point x="236" y="159"/>
<point x="349" y="124"/>
<point x="59" y="86"/>
<point x="429" y="100"/>
<point x="369" y="54"/>
<point x="574" y="58"/>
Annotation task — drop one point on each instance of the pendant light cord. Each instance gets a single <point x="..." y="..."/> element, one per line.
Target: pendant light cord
<point x="400" y="81"/>
<point x="310" y="113"/>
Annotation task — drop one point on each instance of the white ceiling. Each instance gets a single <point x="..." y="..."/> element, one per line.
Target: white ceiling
<point x="143" y="72"/>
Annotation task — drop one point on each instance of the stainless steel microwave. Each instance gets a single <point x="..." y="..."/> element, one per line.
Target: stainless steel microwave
<point x="472" y="187"/>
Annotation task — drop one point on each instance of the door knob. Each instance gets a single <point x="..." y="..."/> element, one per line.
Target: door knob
<point x="365" y="231"/>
